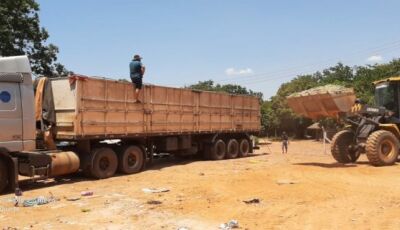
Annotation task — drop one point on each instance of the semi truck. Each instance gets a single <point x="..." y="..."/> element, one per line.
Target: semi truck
<point x="52" y="127"/>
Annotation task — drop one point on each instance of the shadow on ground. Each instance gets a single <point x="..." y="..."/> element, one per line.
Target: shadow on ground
<point x="159" y="163"/>
<point x="332" y="165"/>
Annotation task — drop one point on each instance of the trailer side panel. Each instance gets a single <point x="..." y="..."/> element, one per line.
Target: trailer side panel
<point x="94" y="107"/>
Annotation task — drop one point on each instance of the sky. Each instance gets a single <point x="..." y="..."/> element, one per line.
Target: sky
<point x="256" y="44"/>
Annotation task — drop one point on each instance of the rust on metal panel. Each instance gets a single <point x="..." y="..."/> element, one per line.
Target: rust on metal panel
<point x="105" y="108"/>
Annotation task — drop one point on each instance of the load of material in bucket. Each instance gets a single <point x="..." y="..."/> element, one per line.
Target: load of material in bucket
<point x="322" y="101"/>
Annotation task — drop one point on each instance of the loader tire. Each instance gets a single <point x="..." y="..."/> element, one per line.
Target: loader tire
<point x="218" y="150"/>
<point x="232" y="149"/>
<point x="105" y="163"/>
<point x="382" y="148"/>
<point x="340" y="147"/>
<point x="3" y="175"/>
<point x="130" y="159"/>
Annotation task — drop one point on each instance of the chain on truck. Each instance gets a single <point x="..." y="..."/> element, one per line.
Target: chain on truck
<point x="54" y="127"/>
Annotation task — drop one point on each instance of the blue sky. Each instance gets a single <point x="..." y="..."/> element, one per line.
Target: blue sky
<point x="257" y="44"/>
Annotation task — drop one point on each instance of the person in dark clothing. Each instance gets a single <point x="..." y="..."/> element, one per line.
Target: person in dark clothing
<point x="136" y="69"/>
<point x="285" y="142"/>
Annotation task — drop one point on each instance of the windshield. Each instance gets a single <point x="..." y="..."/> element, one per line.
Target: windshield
<point x="385" y="95"/>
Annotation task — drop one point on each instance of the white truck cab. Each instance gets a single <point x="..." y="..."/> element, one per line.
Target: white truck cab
<point x="18" y="153"/>
<point x="16" y="105"/>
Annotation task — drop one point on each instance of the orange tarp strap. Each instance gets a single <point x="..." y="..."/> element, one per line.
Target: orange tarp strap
<point x="73" y="78"/>
<point x="39" y="99"/>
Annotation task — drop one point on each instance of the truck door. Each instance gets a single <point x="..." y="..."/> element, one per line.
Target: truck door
<point x="10" y="112"/>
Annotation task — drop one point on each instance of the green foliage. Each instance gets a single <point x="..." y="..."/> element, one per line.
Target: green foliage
<point x="279" y="117"/>
<point x="21" y="34"/>
<point x="229" y="88"/>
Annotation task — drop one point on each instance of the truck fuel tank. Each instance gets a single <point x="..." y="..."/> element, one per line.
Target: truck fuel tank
<point x="48" y="163"/>
<point x="63" y="163"/>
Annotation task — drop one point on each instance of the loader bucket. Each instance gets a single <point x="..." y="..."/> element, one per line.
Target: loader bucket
<point x="322" y="102"/>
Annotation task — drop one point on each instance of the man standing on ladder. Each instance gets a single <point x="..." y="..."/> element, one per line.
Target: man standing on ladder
<point x="136" y="69"/>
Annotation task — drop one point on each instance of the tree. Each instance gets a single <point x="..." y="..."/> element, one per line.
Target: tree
<point x="228" y="88"/>
<point x="21" y="34"/>
<point x="279" y="117"/>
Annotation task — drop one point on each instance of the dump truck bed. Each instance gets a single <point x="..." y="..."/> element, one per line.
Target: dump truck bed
<point x="103" y="108"/>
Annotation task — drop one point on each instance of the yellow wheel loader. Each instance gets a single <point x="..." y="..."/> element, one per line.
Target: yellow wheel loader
<point x="373" y="130"/>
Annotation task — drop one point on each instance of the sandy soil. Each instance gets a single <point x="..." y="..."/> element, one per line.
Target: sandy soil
<point x="316" y="193"/>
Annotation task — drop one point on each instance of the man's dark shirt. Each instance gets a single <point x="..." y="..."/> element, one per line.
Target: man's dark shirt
<point x="135" y="68"/>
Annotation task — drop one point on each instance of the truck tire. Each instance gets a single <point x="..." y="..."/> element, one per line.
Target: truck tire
<point x="232" y="149"/>
<point x="340" y="147"/>
<point x="130" y="159"/>
<point x="382" y="148"/>
<point x="218" y="150"/>
<point x="105" y="163"/>
<point x="3" y="175"/>
<point x="244" y="148"/>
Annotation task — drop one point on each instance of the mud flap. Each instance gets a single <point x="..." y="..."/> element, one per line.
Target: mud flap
<point x="13" y="175"/>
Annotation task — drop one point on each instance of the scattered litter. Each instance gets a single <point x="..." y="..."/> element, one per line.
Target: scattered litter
<point x="201" y="174"/>
<point x="231" y="224"/>
<point x="255" y="161"/>
<point x="86" y="193"/>
<point x="41" y="200"/>
<point x="156" y="202"/>
<point x="73" y="198"/>
<point x="85" y="210"/>
<point x="155" y="190"/>
<point x="58" y="206"/>
<point x="252" y="201"/>
<point x="282" y="182"/>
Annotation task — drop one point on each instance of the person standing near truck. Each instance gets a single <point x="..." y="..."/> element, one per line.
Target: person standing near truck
<point x="285" y="142"/>
<point x="136" y="69"/>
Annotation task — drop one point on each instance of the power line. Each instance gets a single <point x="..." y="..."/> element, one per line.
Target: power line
<point x="391" y="45"/>
<point x="257" y="78"/>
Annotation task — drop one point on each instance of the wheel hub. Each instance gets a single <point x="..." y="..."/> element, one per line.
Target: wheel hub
<point x="131" y="160"/>
<point x="104" y="163"/>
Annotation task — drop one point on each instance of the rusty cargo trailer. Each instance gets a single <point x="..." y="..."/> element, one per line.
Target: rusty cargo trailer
<point x="60" y="126"/>
<point x="90" y="111"/>
<point x="96" y="108"/>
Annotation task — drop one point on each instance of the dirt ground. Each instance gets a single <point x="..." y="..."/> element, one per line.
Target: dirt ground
<point x="304" y="189"/>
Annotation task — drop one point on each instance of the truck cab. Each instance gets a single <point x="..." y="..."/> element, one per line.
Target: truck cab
<point x="16" y="105"/>
<point x="16" y="115"/>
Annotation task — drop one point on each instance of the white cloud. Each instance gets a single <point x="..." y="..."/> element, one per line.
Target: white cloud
<point x="375" y="58"/>
<point x="237" y="72"/>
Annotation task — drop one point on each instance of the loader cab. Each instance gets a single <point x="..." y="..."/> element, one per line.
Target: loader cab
<point x="387" y="96"/>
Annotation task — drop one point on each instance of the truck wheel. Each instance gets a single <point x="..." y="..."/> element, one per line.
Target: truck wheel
<point x="232" y="149"/>
<point x="244" y="148"/>
<point x="105" y="163"/>
<point x="218" y="150"/>
<point x="3" y="175"/>
<point x="340" y="147"/>
<point x="382" y="148"/>
<point x="130" y="159"/>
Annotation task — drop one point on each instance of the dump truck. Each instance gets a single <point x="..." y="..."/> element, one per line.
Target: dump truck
<point x="59" y="126"/>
